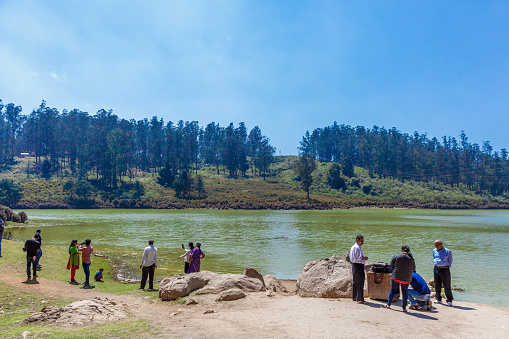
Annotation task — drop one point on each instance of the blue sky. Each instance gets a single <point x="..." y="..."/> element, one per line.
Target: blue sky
<point x="287" y="66"/>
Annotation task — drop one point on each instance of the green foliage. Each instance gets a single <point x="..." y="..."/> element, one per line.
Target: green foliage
<point x="347" y="167"/>
<point x="366" y="189"/>
<point x="46" y="169"/>
<point x="183" y="184"/>
<point x="304" y="167"/>
<point x="334" y="178"/>
<point x="10" y="192"/>
<point x="78" y="190"/>
<point x="166" y="176"/>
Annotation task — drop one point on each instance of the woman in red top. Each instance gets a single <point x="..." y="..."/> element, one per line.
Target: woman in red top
<point x="85" y="259"/>
<point x="402" y="266"/>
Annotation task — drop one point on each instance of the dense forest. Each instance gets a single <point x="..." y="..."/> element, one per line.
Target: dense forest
<point x="80" y="145"/>
<point x="101" y="160"/>
<point x="391" y="153"/>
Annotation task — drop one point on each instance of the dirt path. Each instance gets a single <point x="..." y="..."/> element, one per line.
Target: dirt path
<point x="261" y="316"/>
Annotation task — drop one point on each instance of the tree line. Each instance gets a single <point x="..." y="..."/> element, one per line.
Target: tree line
<point x="391" y="153"/>
<point x="108" y="148"/>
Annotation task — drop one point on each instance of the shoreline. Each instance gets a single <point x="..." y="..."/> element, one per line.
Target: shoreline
<point x="247" y="206"/>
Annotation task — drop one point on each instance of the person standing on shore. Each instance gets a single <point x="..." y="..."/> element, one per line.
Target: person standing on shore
<point x="31" y="247"/>
<point x="358" y="259"/>
<point x="148" y="265"/>
<point x="195" y="260"/>
<point x="442" y="258"/>
<point x="74" y="260"/>
<point x="39" y="254"/>
<point x="186" y="256"/>
<point x="85" y="259"/>
<point x="1" y="235"/>
<point x="402" y="266"/>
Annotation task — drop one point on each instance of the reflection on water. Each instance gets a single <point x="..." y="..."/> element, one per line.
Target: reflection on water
<point x="280" y="243"/>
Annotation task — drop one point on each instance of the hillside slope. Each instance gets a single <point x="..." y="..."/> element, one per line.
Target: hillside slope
<point x="280" y="190"/>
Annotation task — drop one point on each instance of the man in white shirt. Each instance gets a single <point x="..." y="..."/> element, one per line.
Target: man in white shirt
<point x="358" y="259"/>
<point x="148" y="265"/>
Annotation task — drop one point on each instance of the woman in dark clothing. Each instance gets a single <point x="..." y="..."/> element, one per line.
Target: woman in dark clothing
<point x="402" y="266"/>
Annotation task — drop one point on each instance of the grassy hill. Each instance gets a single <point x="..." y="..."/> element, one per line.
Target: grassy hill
<point x="280" y="190"/>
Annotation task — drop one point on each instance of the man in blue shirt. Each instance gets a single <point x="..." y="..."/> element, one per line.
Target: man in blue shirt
<point x="419" y="294"/>
<point x="442" y="258"/>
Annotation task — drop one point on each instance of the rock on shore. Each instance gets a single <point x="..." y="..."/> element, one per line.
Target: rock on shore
<point x="210" y="283"/>
<point x="326" y="278"/>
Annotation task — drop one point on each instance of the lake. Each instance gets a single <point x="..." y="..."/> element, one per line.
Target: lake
<point x="280" y="243"/>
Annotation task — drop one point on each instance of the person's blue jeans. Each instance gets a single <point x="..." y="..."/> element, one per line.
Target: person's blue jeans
<point x="39" y="255"/>
<point x="31" y="264"/>
<point x="86" y="269"/>
<point x="415" y="297"/>
<point x="395" y="290"/>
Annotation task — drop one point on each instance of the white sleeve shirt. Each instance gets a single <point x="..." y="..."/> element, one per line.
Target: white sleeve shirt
<point x="356" y="255"/>
<point x="149" y="256"/>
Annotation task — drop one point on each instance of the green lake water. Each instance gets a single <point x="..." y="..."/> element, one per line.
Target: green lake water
<point x="280" y="243"/>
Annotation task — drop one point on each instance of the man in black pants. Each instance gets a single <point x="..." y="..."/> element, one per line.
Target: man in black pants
<point x="148" y="265"/>
<point x="32" y="247"/>
<point x="442" y="258"/>
<point x="358" y="259"/>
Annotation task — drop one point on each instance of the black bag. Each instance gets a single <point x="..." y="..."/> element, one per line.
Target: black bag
<point x="380" y="267"/>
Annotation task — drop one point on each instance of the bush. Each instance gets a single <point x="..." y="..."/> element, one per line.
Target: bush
<point x="10" y="192"/>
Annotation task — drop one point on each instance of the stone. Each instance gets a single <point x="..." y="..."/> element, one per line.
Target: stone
<point x="273" y="284"/>
<point x="192" y="301"/>
<point x="98" y="310"/>
<point x="25" y="334"/>
<point x="223" y="282"/>
<point x="231" y="294"/>
<point x="209" y="311"/>
<point x="326" y="278"/>
<point x="177" y="287"/>
<point x="252" y="273"/>
<point x="431" y="282"/>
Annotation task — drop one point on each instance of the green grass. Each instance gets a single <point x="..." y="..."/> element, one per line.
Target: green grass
<point x="54" y="261"/>
<point x="279" y="187"/>
<point x="17" y="305"/>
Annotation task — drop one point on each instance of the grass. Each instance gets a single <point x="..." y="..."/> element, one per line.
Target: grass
<point x="17" y="305"/>
<point x="279" y="187"/>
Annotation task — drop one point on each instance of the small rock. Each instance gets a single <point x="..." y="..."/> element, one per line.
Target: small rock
<point x="432" y="295"/>
<point x="192" y="301"/>
<point x="431" y="282"/>
<point x="231" y="294"/>
<point x="270" y="294"/>
<point x="25" y="334"/>
<point x="209" y="311"/>
<point x="2" y="312"/>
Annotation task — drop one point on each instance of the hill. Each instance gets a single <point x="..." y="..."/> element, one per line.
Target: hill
<point x="279" y="190"/>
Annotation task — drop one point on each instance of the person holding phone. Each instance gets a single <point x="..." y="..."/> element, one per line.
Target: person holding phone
<point x="186" y="256"/>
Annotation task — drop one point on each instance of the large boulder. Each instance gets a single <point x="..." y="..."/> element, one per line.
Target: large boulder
<point x="231" y="294"/>
<point x="274" y="284"/>
<point x="177" y="287"/>
<point x="98" y="310"/>
<point x="326" y="278"/>
<point x="223" y="282"/>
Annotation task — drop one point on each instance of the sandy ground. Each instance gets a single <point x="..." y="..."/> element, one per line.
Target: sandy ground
<point x="289" y="316"/>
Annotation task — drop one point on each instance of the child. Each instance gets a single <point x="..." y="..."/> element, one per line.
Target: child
<point x="99" y="275"/>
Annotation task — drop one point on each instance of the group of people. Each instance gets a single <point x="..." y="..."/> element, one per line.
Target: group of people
<point x="192" y="262"/>
<point x="85" y="249"/>
<point x="403" y="274"/>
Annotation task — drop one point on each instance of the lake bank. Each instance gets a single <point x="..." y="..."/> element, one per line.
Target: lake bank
<point x="280" y="243"/>
<point x="257" y="316"/>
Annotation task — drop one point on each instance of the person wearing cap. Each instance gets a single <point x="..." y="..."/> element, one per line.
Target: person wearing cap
<point x="442" y="258"/>
<point x="1" y="235"/>
<point x="31" y="248"/>
<point x="39" y="254"/>
<point x="358" y="259"/>
<point x="148" y="265"/>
